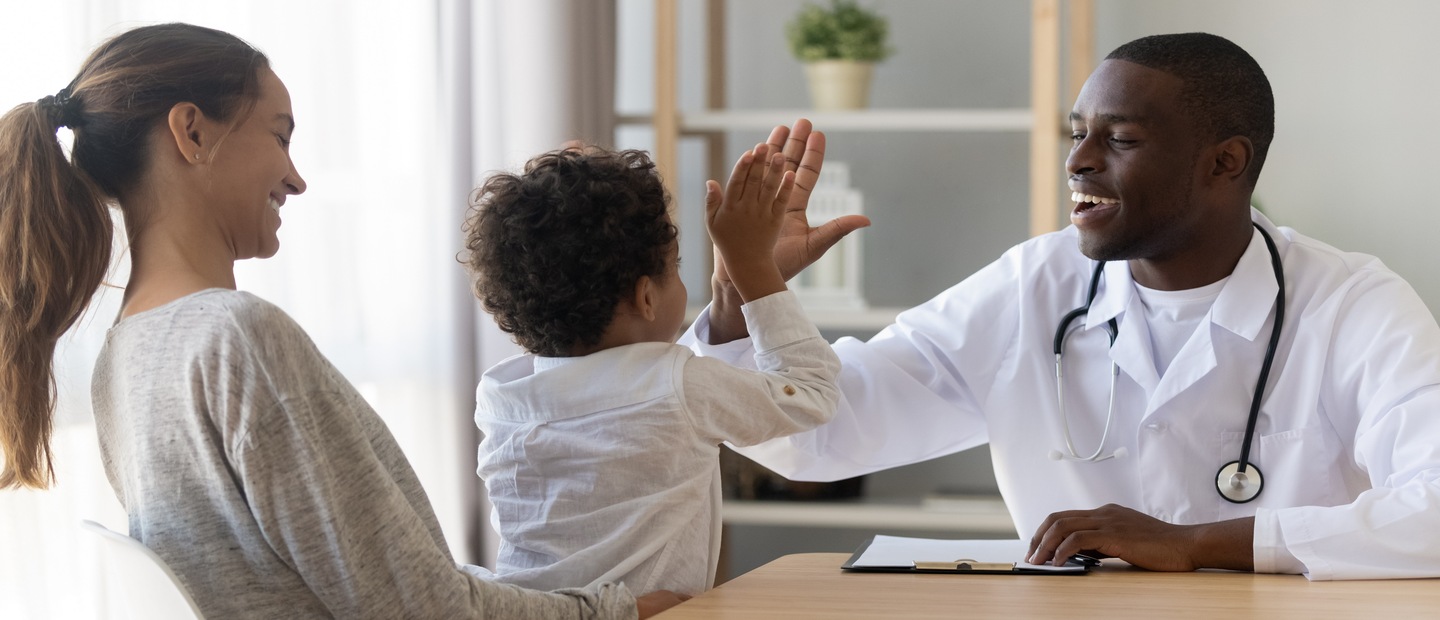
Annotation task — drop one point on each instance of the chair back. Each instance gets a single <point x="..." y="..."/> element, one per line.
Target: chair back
<point x="144" y="585"/>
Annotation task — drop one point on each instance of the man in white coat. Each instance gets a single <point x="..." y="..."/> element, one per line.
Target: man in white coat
<point x="1149" y="453"/>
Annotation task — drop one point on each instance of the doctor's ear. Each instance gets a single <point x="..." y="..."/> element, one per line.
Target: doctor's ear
<point x="1232" y="159"/>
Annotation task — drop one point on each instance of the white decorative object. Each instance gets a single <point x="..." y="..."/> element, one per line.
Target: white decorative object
<point x="833" y="282"/>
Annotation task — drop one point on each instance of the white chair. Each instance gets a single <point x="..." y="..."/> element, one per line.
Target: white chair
<point x="145" y="586"/>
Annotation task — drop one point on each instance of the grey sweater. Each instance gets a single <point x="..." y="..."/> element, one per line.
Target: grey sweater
<point x="265" y="481"/>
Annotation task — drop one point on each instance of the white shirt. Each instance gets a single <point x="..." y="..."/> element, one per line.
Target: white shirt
<point x="1348" y="436"/>
<point x="1173" y="317"/>
<point x="605" y="468"/>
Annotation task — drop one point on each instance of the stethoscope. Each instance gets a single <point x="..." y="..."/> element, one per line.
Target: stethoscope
<point x="1237" y="481"/>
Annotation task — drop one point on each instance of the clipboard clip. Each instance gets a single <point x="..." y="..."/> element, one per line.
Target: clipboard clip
<point x="963" y="564"/>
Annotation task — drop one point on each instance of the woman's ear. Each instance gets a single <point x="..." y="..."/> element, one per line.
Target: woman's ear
<point x="189" y="129"/>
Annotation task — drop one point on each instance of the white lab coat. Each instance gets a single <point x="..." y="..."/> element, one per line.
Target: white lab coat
<point x="1348" y="437"/>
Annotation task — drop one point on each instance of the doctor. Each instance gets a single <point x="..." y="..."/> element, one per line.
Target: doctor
<point x="1123" y="455"/>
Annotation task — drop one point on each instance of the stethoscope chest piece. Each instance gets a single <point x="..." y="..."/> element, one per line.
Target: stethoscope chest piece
<point x="1239" y="487"/>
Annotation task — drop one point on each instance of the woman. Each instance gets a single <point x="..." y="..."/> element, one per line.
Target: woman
<point x="242" y="456"/>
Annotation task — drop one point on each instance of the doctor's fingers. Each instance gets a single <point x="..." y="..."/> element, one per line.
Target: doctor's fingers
<point x="780" y="135"/>
<point x="1054" y="533"/>
<point x="791" y="141"/>
<point x="1049" y="523"/>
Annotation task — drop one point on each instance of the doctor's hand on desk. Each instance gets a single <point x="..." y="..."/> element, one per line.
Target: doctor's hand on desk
<point x="1118" y="532"/>
<point x="799" y="244"/>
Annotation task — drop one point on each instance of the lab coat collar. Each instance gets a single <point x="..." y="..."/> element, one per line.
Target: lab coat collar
<point x="1236" y="308"/>
<point x="1116" y="291"/>
<point x="1249" y="297"/>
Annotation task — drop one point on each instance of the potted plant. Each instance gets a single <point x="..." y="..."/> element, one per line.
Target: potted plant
<point x="839" y="45"/>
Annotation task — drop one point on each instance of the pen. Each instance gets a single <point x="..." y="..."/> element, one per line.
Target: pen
<point x="1085" y="560"/>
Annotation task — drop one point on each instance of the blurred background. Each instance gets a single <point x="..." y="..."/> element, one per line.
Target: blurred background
<point x="403" y="106"/>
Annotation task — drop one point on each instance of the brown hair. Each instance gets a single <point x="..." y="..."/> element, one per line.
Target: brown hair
<point x="553" y="249"/>
<point x="55" y="228"/>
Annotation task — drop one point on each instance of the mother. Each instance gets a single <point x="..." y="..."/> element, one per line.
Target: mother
<point x="242" y="456"/>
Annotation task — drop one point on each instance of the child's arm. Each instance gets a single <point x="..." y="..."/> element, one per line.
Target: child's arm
<point x="744" y="221"/>
<point x="793" y="389"/>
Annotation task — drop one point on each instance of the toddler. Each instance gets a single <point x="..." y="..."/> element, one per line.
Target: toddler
<point x="601" y="447"/>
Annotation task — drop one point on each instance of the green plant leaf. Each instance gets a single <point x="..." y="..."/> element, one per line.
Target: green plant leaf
<point x="842" y="31"/>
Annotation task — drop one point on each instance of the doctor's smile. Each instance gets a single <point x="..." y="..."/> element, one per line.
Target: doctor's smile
<point x="1089" y="207"/>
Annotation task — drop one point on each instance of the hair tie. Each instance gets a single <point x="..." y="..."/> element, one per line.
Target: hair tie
<point x="63" y="110"/>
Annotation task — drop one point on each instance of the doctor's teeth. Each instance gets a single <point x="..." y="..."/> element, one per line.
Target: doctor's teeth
<point x="1079" y="197"/>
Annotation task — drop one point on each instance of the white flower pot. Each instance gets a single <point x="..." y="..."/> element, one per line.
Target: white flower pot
<point x="839" y="84"/>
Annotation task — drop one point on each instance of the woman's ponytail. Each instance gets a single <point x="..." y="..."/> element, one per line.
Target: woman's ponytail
<point x="55" y="227"/>
<point x="55" y="233"/>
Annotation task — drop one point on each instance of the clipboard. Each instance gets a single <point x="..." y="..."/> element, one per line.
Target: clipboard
<point x="894" y="554"/>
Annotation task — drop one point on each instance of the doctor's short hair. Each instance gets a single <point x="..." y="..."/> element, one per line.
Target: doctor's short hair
<point x="552" y="250"/>
<point x="1226" y="92"/>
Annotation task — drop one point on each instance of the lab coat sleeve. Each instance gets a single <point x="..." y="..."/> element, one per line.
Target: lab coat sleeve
<point x="1384" y="383"/>
<point x="911" y="393"/>
<point x="793" y="389"/>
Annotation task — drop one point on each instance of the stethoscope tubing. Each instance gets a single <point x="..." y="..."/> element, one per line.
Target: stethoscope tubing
<point x="1270" y="349"/>
<point x="1240" y="492"/>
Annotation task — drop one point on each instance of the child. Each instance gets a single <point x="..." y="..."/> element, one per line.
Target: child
<point x="601" y="448"/>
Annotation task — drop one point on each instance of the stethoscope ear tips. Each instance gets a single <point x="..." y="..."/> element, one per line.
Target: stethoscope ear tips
<point x="1237" y="486"/>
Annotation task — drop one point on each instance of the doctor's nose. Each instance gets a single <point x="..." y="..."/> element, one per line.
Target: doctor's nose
<point x="1083" y="159"/>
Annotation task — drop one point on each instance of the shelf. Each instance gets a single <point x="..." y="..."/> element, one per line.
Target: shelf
<point x="869" y="319"/>
<point x="977" y="516"/>
<point x="944" y="120"/>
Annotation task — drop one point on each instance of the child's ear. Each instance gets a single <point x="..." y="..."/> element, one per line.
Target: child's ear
<point x="646" y="297"/>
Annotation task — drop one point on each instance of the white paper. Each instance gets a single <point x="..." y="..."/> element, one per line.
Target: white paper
<point x="892" y="551"/>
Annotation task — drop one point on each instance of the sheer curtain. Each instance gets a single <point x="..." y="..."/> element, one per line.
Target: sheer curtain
<point x="401" y="107"/>
<point x="523" y="78"/>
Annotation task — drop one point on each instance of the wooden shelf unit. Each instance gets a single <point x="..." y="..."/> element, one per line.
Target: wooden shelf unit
<point x="1044" y="119"/>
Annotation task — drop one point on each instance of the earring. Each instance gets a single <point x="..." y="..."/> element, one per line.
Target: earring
<point x="197" y="157"/>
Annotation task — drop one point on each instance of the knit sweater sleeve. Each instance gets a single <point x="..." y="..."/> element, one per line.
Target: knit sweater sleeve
<point x="339" y="504"/>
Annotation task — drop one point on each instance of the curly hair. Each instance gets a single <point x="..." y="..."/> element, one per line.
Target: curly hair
<point x="552" y="250"/>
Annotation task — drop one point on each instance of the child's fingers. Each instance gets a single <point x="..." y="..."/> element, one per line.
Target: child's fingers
<point x="713" y="198"/>
<point x="736" y="185"/>
<point x="756" y="176"/>
<point x="782" y="197"/>
<point x="773" y="174"/>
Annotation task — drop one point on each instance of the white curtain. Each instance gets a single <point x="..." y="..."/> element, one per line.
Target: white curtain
<point x="401" y="107"/>
<point x="521" y="78"/>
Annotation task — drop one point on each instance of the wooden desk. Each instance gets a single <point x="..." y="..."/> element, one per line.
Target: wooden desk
<point x="812" y="585"/>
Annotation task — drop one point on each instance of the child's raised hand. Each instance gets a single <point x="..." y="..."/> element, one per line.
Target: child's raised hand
<point x="744" y="221"/>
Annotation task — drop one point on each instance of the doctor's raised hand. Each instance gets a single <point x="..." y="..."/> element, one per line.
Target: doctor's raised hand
<point x="799" y="244"/>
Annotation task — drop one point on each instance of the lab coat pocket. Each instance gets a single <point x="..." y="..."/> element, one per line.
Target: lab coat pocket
<point x="1296" y="466"/>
